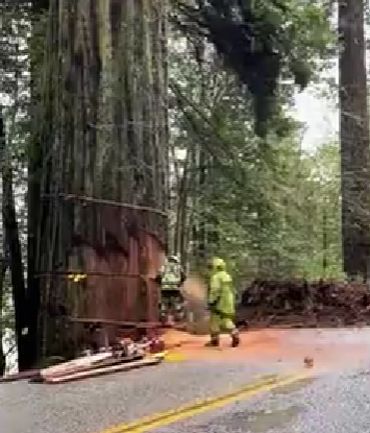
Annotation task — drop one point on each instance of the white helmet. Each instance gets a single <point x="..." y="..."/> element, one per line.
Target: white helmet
<point x="174" y="258"/>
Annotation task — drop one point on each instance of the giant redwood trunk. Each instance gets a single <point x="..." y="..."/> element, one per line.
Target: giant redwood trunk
<point x="354" y="134"/>
<point x="103" y="160"/>
<point x="39" y="113"/>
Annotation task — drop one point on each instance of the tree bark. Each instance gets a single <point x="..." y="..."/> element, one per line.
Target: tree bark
<point x="38" y="142"/>
<point x="105" y="136"/>
<point x="354" y="136"/>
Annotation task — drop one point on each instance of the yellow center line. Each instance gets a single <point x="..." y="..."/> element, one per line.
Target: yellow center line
<point x="162" y="419"/>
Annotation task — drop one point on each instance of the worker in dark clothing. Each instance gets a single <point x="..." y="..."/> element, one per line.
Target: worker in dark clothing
<point x="171" y="277"/>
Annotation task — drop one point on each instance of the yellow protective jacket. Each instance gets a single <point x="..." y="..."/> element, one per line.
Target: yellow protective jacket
<point x="221" y="295"/>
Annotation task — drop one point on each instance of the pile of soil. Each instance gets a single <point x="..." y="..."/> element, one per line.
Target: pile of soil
<point x="302" y="304"/>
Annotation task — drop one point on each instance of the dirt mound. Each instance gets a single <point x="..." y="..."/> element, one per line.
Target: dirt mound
<point x="303" y="304"/>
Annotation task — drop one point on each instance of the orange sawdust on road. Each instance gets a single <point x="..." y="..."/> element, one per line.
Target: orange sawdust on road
<point x="329" y="348"/>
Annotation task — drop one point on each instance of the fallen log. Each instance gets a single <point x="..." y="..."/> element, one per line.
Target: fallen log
<point x="105" y="363"/>
<point x="152" y="360"/>
<point x="75" y="365"/>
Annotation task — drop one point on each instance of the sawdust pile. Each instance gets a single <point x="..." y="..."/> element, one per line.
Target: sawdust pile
<point x="195" y="293"/>
<point x="194" y="290"/>
<point x="303" y="304"/>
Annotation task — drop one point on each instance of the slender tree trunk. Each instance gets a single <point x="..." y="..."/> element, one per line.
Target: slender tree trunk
<point x="324" y="242"/>
<point x="182" y="214"/>
<point x="201" y="157"/>
<point x="354" y="134"/>
<point x="15" y="252"/>
<point x="3" y="267"/>
<point x="2" y="260"/>
<point x="202" y="231"/>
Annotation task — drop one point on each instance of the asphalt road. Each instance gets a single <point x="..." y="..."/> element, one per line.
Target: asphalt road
<point x="333" y="400"/>
<point x="333" y="403"/>
<point x="92" y="405"/>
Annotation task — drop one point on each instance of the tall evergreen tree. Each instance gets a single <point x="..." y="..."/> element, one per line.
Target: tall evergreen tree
<point x="354" y="137"/>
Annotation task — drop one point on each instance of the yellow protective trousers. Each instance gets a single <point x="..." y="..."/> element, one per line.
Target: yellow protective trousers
<point x="220" y="323"/>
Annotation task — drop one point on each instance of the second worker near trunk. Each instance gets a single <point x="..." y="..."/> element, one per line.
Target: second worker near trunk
<point x="171" y="277"/>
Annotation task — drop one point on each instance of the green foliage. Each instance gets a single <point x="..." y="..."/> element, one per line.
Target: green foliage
<point x="269" y="209"/>
<point x="261" y="41"/>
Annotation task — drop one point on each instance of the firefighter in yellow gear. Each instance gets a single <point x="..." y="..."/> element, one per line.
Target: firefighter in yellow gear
<point x="221" y="303"/>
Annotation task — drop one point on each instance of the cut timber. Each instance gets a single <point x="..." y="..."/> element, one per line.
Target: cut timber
<point x="153" y="360"/>
<point x="75" y="365"/>
<point x="102" y="364"/>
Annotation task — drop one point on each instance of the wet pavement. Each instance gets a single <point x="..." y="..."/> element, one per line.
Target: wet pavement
<point x="336" y="399"/>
